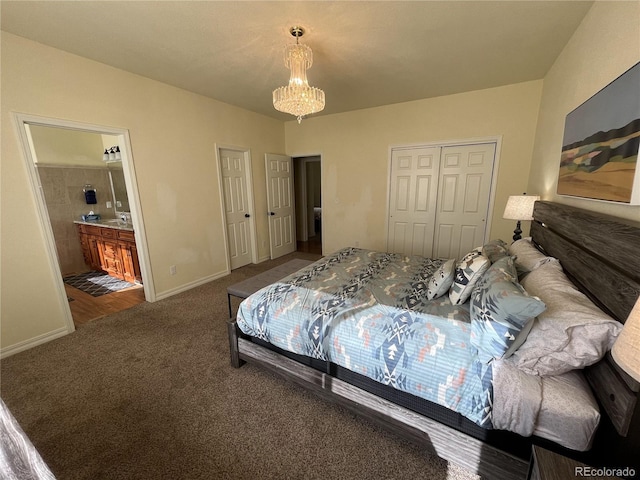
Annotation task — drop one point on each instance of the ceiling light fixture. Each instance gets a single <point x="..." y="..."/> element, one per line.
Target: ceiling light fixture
<point x="298" y="98"/>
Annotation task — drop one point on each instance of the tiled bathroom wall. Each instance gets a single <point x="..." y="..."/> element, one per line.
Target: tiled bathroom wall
<point x="64" y="196"/>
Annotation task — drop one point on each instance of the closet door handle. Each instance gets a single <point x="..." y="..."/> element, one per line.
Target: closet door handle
<point x="246" y="215"/>
<point x="272" y="213"/>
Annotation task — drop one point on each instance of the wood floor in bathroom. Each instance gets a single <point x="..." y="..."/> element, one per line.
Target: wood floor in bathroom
<point x="86" y="308"/>
<point x="314" y="245"/>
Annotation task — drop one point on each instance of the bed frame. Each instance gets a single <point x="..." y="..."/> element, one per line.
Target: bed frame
<point x="602" y="256"/>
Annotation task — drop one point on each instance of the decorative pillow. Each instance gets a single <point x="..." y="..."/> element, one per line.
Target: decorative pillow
<point x="527" y="256"/>
<point x="502" y="313"/>
<point x="495" y="250"/>
<point x="441" y="280"/>
<point x="468" y="272"/>
<point x="571" y="333"/>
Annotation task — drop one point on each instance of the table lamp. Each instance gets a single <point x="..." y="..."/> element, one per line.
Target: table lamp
<point x="519" y="207"/>
<point x="626" y="349"/>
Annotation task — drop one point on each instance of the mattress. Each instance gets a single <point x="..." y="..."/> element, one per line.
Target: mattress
<point x="366" y="312"/>
<point x="560" y="408"/>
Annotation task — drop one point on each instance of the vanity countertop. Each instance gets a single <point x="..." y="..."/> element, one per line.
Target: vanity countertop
<point x="108" y="223"/>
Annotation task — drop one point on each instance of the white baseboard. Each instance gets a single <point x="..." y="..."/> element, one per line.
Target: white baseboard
<point x="61" y="332"/>
<point x="33" y="342"/>
<point x="190" y="285"/>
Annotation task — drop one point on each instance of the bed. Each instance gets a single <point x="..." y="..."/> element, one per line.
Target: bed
<point x="18" y="457"/>
<point x="441" y="397"/>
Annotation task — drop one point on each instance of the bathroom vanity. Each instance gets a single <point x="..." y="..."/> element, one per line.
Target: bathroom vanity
<point x="110" y="246"/>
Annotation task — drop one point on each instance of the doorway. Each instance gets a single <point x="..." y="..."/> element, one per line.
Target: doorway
<point x="74" y="187"/>
<point x="308" y="195"/>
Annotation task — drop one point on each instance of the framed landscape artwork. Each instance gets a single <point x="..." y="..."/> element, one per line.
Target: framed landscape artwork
<point x="601" y="142"/>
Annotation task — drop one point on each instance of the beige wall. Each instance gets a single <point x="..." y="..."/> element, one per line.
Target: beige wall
<point x="173" y="135"/>
<point x="355" y="154"/>
<point x="606" y="44"/>
<point x="59" y="146"/>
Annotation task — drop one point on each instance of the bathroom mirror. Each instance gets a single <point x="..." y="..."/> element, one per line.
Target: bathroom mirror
<point x="118" y="187"/>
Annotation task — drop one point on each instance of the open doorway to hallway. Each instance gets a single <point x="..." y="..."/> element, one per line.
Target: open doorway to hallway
<point x="308" y="187"/>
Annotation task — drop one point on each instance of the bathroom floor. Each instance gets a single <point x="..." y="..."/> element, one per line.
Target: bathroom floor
<point x="86" y="308"/>
<point x="96" y="283"/>
<point x="314" y="245"/>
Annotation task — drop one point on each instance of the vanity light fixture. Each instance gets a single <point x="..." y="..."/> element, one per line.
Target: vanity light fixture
<point x="298" y="98"/>
<point x="112" y="154"/>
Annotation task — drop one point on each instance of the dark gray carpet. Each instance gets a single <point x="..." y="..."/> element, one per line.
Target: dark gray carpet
<point x="148" y="393"/>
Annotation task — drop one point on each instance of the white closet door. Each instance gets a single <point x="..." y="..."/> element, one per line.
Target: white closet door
<point x="463" y="198"/>
<point x="413" y="193"/>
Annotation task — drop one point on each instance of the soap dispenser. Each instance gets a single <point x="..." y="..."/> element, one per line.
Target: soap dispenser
<point x="90" y="195"/>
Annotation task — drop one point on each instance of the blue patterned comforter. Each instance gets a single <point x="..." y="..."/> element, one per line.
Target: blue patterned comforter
<point x="367" y="311"/>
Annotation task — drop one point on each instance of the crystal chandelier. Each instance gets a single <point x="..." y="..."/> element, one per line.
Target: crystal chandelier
<point x="298" y="98"/>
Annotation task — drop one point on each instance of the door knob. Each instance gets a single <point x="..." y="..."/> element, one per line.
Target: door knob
<point x="246" y="215"/>
<point x="272" y="213"/>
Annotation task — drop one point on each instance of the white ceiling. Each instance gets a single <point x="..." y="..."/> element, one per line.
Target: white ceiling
<point x="366" y="53"/>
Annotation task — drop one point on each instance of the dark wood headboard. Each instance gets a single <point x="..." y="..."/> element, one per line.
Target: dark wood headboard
<point x="601" y="255"/>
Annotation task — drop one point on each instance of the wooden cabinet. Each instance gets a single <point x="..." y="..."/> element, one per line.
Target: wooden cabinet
<point x="111" y="250"/>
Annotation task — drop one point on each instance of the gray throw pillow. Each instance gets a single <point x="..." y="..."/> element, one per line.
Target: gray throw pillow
<point x="571" y="333"/>
<point x="501" y="312"/>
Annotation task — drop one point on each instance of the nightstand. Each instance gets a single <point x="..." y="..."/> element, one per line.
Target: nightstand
<point x="547" y="465"/>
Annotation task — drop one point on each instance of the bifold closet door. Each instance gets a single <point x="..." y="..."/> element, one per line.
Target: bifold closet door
<point x="412" y="200"/>
<point x="439" y="199"/>
<point x="463" y="198"/>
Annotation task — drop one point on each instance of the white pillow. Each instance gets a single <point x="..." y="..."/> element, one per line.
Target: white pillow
<point x="441" y="280"/>
<point x="527" y="256"/>
<point x="571" y="333"/>
<point x="468" y="272"/>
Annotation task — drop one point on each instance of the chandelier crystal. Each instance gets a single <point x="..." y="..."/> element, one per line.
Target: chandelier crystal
<point x="298" y="98"/>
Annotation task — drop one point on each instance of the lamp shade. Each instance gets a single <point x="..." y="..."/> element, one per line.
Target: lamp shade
<point x="626" y="349"/>
<point x="520" y="207"/>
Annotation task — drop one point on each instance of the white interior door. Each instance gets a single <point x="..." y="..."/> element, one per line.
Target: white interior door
<point x="280" y="201"/>
<point x="237" y="210"/>
<point x="412" y="202"/>
<point x="463" y="198"/>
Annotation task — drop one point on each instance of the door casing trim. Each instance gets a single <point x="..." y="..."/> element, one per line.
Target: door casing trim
<point x="19" y="121"/>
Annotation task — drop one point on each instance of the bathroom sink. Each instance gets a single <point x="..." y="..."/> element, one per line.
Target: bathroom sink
<point x="116" y="221"/>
